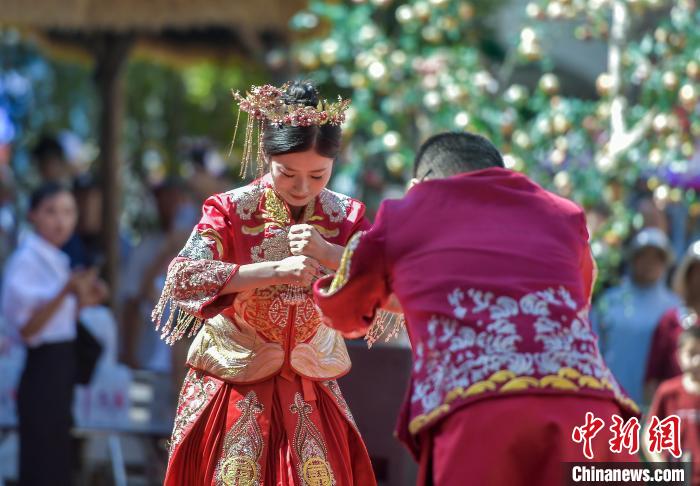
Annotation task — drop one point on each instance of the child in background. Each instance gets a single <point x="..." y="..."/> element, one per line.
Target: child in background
<point x="681" y="396"/>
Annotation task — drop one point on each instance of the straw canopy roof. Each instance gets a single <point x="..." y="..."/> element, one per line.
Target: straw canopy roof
<point x="149" y="15"/>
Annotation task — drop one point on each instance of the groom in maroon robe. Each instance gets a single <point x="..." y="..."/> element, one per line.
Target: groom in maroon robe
<point x="494" y="275"/>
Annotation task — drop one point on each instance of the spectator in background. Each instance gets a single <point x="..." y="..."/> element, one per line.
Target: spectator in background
<point x="51" y="161"/>
<point x="40" y="301"/>
<point x="85" y="245"/>
<point x="145" y="275"/>
<point x="203" y="182"/>
<point x="626" y="316"/>
<point x="680" y="396"/>
<point x="8" y="222"/>
<point x="663" y="357"/>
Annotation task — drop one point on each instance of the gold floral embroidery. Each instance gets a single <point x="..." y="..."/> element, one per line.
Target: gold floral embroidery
<point x="323" y="357"/>
<point x="333" y="387"/>
<point x="265" y="311"/>
<point x="275" y="209"/>
<point x="196" y="391"/>
<point x="313" y="467"/>
<point x="306" y="319"/>
<point x="243" y="445"/>
<point x="505" y="381"/>
<point x="234" y="352"/>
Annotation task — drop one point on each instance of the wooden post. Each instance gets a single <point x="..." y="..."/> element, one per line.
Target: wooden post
<point x="111" y="52"/>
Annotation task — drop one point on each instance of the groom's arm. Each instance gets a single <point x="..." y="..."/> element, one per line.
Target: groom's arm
<point x="350" y="300"/>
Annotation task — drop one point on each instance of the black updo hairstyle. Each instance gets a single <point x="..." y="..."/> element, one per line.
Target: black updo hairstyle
<point x="286" y="139"/>
<point x="44" y="192"/>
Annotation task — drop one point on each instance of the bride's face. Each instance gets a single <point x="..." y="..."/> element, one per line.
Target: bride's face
<point x="299" y="177"/>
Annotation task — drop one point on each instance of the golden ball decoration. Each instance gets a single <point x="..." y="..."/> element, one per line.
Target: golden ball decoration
<point x="555" y="10"/>
<point x="379" y="127"/>
<point x="661" y="123"/>
<point x="529" y="46"/>
<point x="562" y="181"/>
<point x="692" y="69"/>
<point x="670" y="80"/>
<point x="404" y="14"/>
<point x="688" y="96"/>
<point x="557" y="156"/>
<point x="549" y="84"/>
<point x="466" y="11"/>
<point x="516" y="94"/>
<point x="656" y="156"/>
<point x="422" y="10"/>
<point x="561" y="123"/>
<point x="432" y="100"/>
<point x="431" y="34"/>
<point x="544" y="126"/>
<point x="462" y="119"/>
<point x="391" y="140"/>
<point x="604" y="84"/>
<point x="395" y="164"/>
<point x="308" y="59"/>
<point x="687" y="149"/>
<point x="358" y="80"/>
<point x="661" y="35"/>
<point x="603" y="111"/>
<point x="522" y="139"/>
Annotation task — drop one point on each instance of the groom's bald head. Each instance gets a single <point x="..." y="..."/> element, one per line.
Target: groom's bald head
<point x="452" y="153"/>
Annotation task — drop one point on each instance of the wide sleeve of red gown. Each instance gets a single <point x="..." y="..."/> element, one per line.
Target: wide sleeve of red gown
<point x="350" y="300"/>
<point x="197" y="276"/>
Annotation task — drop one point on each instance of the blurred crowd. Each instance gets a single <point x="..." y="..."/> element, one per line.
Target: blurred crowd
<point x="56" y="221"/>
<point x="639" y="319"/>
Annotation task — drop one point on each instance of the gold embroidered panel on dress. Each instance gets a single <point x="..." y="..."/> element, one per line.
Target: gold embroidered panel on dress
<point x="333" y="387"/>
<point x="264" y="309"/>
<point x="310" y="448"/>
<point x="196" y="392"/>
<point x="233" y="351"/>
<point x="239" y="464"/>
<point x="323" y="357"/>
<point x="307" y="319"/>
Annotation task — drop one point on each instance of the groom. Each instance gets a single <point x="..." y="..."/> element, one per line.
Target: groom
<point x="494" y="275"/>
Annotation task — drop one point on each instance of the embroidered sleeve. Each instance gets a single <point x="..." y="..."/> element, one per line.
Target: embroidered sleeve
<point x="350" y="301"/>
<point x="196" y="277"/>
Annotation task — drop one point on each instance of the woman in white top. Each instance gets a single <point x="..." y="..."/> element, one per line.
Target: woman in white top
<point x="40" y="301"/>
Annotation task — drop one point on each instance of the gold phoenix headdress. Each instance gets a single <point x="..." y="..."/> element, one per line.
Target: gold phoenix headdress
<point x="267" y="106"/>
